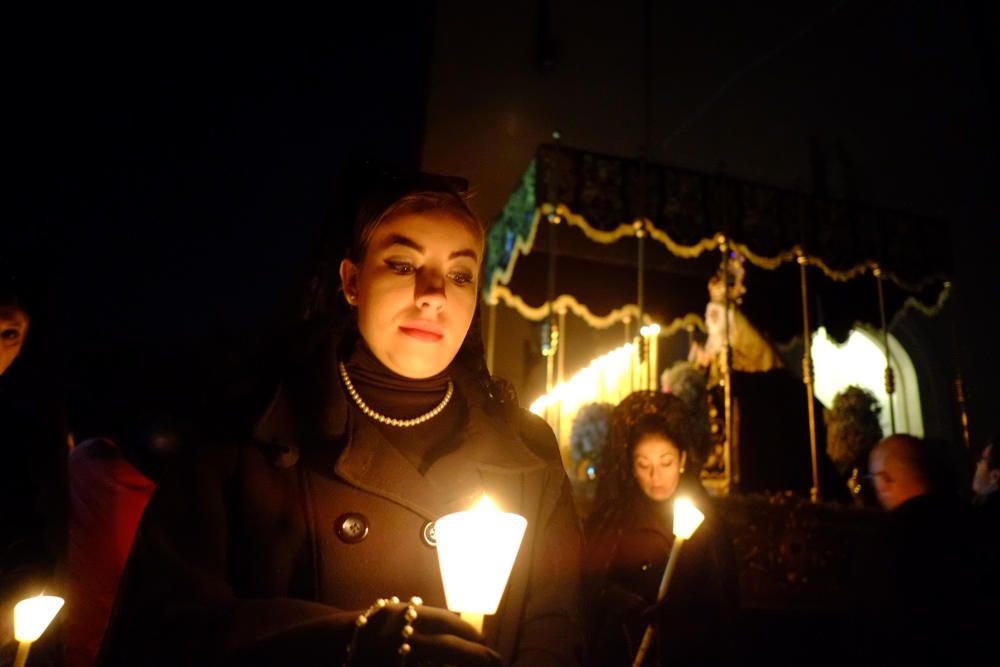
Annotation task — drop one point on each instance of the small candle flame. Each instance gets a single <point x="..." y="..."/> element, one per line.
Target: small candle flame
<point x="484" y="504"/>
<point x="687" y="518"/>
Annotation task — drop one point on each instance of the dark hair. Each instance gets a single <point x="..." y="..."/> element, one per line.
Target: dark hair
<point x="11" y="294"/>
<point x="674" y="425"/>
<point x="639" y="414"/>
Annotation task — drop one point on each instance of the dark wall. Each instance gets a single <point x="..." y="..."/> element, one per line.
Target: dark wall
<point x="172" y="174"/>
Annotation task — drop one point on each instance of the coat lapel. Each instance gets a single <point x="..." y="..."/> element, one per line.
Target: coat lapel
<point x="492" y="458"/>
<point x="454" y="482"/>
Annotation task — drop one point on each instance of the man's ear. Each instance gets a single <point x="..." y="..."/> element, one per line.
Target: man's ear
<point x="349" y="280"/>
<point x="995" y="476"/>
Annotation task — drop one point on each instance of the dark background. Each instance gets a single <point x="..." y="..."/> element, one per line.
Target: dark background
<point x="170" y="178"/>
<point x="169" y="173"/>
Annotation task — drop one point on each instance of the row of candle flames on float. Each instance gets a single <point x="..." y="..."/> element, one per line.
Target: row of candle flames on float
<point x="607" y="379"/>
<point x="476" y="552"/>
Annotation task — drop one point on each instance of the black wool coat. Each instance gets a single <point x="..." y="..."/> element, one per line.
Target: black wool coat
<point x="243" y="557"/>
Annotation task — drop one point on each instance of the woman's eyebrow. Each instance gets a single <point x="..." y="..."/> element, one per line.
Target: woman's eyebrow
<point x="399" y="239"/>
<point x="465" y="252"/>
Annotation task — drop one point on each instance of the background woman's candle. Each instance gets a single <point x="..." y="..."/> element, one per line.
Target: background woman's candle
<point x="687" y="518"/>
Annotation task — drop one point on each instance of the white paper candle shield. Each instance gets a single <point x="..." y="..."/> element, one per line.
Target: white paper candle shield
<point x="476" y="551"/>
<point x="687" y="518"/>
<point x="33" y="615"/>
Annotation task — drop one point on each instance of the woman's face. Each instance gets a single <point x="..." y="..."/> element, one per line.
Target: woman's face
<point x="415" y="290"/>
<point x="13" y="328"/>
<point x="656" y="464"/>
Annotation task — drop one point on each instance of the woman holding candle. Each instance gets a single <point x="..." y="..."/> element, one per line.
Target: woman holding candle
<point x="630" y="536"/>
<point x="303" y="545"/>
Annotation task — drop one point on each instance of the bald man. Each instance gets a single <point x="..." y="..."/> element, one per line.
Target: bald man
<point x="933" y="581"/>
<point x="900" y="468"/>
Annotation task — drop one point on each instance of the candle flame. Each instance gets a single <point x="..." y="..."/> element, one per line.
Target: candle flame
<point x="687" y="518"/>
<point x="33" y="615"/>
<point x="484" y="504"/>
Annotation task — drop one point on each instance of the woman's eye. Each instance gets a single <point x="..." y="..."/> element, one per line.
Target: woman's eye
<point x="402" y="268"/>
<point x="461" y="278"/>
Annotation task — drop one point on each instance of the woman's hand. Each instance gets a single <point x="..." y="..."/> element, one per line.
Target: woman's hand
<point x="439" y="637"/>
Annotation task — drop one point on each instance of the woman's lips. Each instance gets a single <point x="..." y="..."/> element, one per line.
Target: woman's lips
<point x="420" y="333"/>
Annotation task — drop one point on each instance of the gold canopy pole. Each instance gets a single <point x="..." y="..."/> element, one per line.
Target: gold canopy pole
<point x="553" y="331"/>
<point x="890" y="382"/>
<point x="561" y="349"/>
<point x="963" y="410"/>
<point x="554" y="219"/>
<point x="628" y="339"/>
<point x="491" y="333"/>
<point x="732" y="455"/>
<point x="807" y="378"/>
<point x="643" y="355"/>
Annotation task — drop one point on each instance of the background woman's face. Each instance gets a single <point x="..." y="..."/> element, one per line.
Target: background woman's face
<point x="415" y="291"/>
<point x="13" y="329"/>
<point x="656" y="464"/>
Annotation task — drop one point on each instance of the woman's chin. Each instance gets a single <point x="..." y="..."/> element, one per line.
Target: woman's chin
<point x="416" y="368"/>
<point x="418" y="360"/>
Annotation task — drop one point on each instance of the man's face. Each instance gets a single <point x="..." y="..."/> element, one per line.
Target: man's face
<point x="880" y="469"/>
<point x="13" y="329"/>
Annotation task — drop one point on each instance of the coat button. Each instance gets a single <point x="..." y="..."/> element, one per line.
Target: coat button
<point x="429" y="534"/>
<point x="351" y="527"/>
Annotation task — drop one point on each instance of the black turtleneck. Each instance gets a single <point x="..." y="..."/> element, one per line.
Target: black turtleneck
<point x="394" y="395"/>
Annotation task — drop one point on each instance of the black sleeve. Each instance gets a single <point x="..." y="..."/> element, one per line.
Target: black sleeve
<point x="550" y="632"/>
<point x="175" y="605"/>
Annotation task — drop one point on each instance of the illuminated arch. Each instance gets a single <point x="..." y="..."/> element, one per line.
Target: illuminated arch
<point x="861" y="361"/>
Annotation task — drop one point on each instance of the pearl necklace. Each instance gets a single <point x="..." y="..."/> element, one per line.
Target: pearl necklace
<point x="391" y="421"/>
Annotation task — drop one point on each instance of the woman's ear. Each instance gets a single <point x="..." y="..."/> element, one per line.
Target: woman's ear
<point x="684" y="457"/>
<point x="349" y="280"/>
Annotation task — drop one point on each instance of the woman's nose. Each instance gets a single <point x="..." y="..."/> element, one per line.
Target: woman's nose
<point x="430" y="290"/>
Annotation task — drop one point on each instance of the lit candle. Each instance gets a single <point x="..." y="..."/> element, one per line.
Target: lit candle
<point x="476" y="552"/>
<point x="31" y="617"/>
<point x="687" y="518"/>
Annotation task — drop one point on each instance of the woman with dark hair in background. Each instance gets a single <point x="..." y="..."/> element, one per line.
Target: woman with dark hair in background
<point x="630" y="536"/>
<point x="267" y="552"/>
